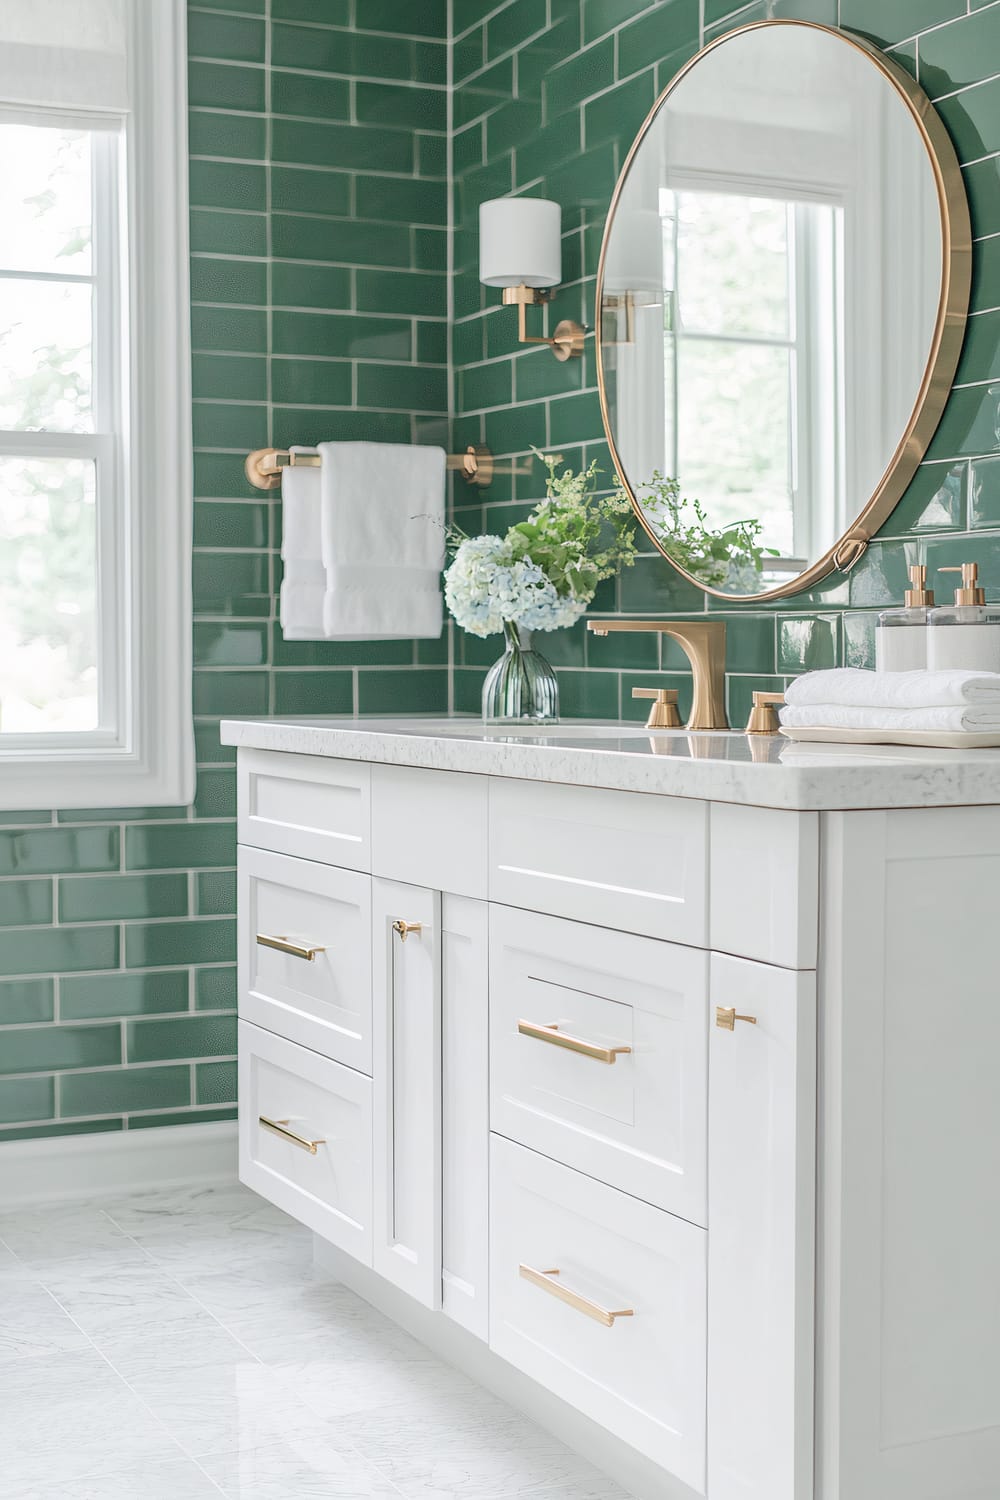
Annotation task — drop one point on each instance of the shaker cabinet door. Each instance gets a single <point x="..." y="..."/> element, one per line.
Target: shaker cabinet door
<point x="406" y="1127"/>
<point x="761" y="1242"/>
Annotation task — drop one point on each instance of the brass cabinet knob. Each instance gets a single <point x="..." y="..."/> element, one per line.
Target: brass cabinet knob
<point x="764" y="713"/>
<point x="726" y="1018"/>
<point x="405" y="928"/>
<point x="664" y="713"/>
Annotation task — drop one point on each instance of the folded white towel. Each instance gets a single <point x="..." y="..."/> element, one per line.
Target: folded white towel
<point x="303" y="585"/>
<point x="854" y="689"/>
<point x="943" y="718"/>
<point x="382" y="524"/>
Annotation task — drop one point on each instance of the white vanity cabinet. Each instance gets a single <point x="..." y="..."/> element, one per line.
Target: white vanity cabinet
<point x="661" y="1099"/>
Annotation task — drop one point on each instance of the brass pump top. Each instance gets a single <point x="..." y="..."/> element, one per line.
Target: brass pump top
<point x="919" y="594"/>
<point x="970" y="592"/>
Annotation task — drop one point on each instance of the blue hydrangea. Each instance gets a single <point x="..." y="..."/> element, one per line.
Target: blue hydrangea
<point x="486" y="586"/>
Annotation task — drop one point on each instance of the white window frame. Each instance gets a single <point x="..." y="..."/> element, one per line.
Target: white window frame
<point x="143" y="751"/>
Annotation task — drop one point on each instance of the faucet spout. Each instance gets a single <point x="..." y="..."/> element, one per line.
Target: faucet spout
<point x="704" y="644"/>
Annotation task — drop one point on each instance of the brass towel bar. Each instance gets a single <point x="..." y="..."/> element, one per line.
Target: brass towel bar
<point x="476" y="466"/>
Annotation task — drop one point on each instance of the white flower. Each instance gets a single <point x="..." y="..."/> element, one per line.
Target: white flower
<point x="485" y="586"/>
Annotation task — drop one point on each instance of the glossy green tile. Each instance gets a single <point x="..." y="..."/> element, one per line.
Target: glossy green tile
<point x="429" y="18"/>
<point x="215" y="1083"/>
<point x="419" y="690"/>
<point x="219" y="87"/>
<point x="750" y="643"/>
<point x="325" y="12"/>
<point x="196" y="941"/>
<point x="623" y="651"/>
<point x="325" y="287"/>
<point x="982" y="184"/>
<point x="350" y="242"/>
<point x="26" y="1002"/>
<point x="536" y="379"/>
<point x="215" y="893"/>
<point x="217" y="424"/>
<point x="228" y="583"/>
<point x="430" y="250"/>
<point x="24" y="1099"/>
<point x="128" y="1089"/>
<point x="208" y="749"/>
<point x="342" y="336"/>
<point x="432" y="342"/>
<point x="404" y="105"/>
<point x="355" y="147"/>
<point x="949" y="552"/>
<point x="354" y="52"/>
<point x="970" y="425"/>
<point x="600" y="16"/>
<point x="183" y="1037"/>
<point x="399" y="201"/>
<point x="234" y="38"/>
<point x="881" y="576"/>
<point x="243" y="137"/>
<point x="47" y="851"/>
<point x="314" y="382"/>
<point x="218" y="524"/>
<point x="587" y="73"/>
<point x="58" y="949"/>
<point x="180" y="846"/>
<point x="229" y="329"/>
<point x="338" y="653"/>
<point x="215" y="796"/>
<point x="220" y="476"/>
<point x="740" y="691"/>
<point x="89" y="898"/>
<point x="16" y="818"/>
<point x="214" y="279"/>
<point x="231" y="692"/>
<point x="217" y="184"/>
<point x="809" y="644"/>
<point x="617" y="114"/>
<point x="62" y="1127"/>
<point x="859" y="640"/>
<point x="228" y="643"/>
<point x="119" y="814"/>
<point x="229" y="377"/>
<point x="103" y="996"/>
<point x="984" y="493"/>
<point x="44" y="1049"/>
<point x="25" y="903"/>
<point x="483" y="92"/>
<point x="215" y="989"/>
<point x="314" y="425"/>
<point x="313" y="692"/>
<point x="573" y="419"/>
<point x="588" y="695"/>
<point x="981" y="352"/>
<point x="408" y="388"/>
<point x="890" y="21"/>
<point x="419" y="293"/>
<point x="173" y="1118"/>
<point x="973" y="120"/>
<point x="486" y="385"/>
<point x="300" y="191"/>
<point x="317" y="98"/>
<point x="957" y="56"/>
<point x="935" y="501"/>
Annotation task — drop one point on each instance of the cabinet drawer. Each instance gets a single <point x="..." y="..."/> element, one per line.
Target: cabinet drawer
<point x="563" y="998"/>
<point x="321" y="1171"/>
<point x="323" y="1002"/>
<point x="626" y="860"/>
<point x="643" y="1375"/>
<point x="305" y="805"/>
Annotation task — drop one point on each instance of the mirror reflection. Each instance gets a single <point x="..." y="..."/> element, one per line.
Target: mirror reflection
<point x="772" y="276"/>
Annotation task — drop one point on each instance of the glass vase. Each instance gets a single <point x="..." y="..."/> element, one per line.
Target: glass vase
<point x="521" y="686"/>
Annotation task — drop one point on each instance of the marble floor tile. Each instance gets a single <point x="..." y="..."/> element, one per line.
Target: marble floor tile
<point x="130" y="1300"/>
<point x="298" y="1470"/>
<point x="183" y="1480"/>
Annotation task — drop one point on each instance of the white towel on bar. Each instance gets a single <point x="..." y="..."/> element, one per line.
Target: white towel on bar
<point x="383" y="542"/>
<point x="303" y="584"/>
<point x="855" y="689"/>
<point x="942" y="718"/>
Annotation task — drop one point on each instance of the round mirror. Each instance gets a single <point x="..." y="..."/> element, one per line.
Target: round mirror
<point x="781" y="303"/>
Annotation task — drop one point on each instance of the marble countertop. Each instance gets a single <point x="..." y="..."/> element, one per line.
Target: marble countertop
<point x="761" y="772"/>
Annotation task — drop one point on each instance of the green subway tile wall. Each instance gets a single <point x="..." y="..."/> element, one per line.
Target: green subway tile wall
<point x="323" y="283"/>
<point x="547" y="102"/>
<point x="318" y="273"/>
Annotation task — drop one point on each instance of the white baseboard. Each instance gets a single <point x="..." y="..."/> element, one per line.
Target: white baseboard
<point x="91" y="1166"/>
<point x="638" y="1474"/>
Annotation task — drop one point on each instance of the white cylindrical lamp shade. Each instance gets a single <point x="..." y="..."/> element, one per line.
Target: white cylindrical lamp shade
<point x="520" y="242"/>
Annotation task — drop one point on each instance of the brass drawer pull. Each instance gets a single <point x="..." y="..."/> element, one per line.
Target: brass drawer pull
<point x="405" y="928"/>
<point x="572" y="1043"/>
<point x="285" y="945"/>
<point x="566" y="1294"/>
<point x="726" y="1017"/>
<point x="282" y="1128"/>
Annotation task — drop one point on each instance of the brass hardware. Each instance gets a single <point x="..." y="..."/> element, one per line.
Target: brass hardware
<point x="726" y="1018"/>
<point x="704" y="643"/>
<point x="285" y="945"/>
<point x="566" y="1294"/>
<point x="281" y="1128"/>
<point x="970" y="592"/>
<point x="764" y="714"/>
<point x="618" y="303"/>
<point x="405" y="928"/>
<point x="664" y="713"/>
<point x="919" y="596"/>
<point x="568" y="340"/>
<point x="264" y="465"/>
<point x="946" y="344"/>
<point x="551" y="1033"/>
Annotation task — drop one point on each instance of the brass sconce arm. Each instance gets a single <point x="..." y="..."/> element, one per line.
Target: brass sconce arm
<point x="704" y="644"/>
<point x="567" y="341"/>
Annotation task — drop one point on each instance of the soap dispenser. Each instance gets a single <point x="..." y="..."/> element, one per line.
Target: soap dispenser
<point x="901" y="634"/>
<point x="965" y="635"/>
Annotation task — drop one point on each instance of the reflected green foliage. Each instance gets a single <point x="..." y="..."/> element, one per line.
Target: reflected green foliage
<point x="729" y="558"/>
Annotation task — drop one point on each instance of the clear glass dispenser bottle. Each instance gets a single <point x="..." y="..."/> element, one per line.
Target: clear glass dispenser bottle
<point x="965" y="635"/>
<point x="901" y="634"/>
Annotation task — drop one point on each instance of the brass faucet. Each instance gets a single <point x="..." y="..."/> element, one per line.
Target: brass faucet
<point x="704" y="643"/>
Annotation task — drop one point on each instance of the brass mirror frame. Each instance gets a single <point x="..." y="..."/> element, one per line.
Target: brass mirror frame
<point x="946" y="345"/>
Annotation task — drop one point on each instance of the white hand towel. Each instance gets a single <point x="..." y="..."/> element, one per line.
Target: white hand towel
<point x="303" y="585"/>
<point x="854" y="689"/>
<point x="940" y="719"/>
<point x="383" y="544"/>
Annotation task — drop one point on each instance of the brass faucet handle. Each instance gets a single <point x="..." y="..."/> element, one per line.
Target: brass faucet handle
<point x="664" y="714"/>
<point x="764" y="713"/>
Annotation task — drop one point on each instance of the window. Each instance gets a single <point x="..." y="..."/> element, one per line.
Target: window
<point x="94" y="408"/>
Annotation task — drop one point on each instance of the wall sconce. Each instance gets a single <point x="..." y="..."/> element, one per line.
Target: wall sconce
<point x="520" y="249"/>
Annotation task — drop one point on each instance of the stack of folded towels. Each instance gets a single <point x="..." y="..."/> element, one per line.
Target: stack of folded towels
<point x="916" y="702"/>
